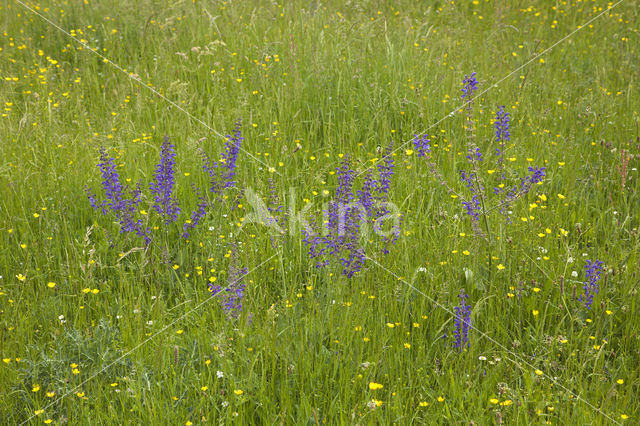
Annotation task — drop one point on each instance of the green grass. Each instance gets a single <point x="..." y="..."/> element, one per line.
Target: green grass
<point x="339" y="79"/>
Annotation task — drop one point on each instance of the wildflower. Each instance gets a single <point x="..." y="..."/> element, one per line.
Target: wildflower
<point x="472" y="208"/>
<point x="474" y="155"/>
<point x="232" y="295"/>
<point x="374" y="403"/>
<point x="502" y="128"/>
<point x="122" y="203"/>
<point x="422" y="145"/>
<point x="469" y="85"/>
<point x="196" y="215"/>
<point x="375" y="386"/>
<point x="222" y="175"/>
<point x="238" y="391"/>
<point x="591" y="286"/>
<point x="462" y="322"/>
<point x="163" y="183"/>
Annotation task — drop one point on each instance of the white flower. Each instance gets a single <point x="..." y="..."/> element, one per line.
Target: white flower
<point x="150" y="322"/>
<point x="570" y="259"/>
<point x="219" y="374"/>
<point x="574" y="274"/>
<point x="482" y="358"/>
<point x="225" y="403"/>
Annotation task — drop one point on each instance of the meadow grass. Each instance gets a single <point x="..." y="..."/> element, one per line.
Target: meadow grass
<point x="313" y="84"/>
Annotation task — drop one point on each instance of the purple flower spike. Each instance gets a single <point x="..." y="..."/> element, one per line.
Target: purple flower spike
<point x="591" y="286"/>
<point x="462" y="322"/>
<point x="469" y="85"/>
<point x="502" y="128"/>
<point x="163" y="183"/>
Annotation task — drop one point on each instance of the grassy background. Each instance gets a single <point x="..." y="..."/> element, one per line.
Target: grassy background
<point x="337" y="79"/>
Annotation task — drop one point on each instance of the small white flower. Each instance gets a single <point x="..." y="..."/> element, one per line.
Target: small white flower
<point x="225" y="403"/>
<point x="211" y="228"/>
<point x="219" y="374"/>
<point x="153" y="297"/>
<point x="570" y="259"/>
<point x="482" y="358"/>
<point x="574" y="274"/>
<point x="150" y="322"/>
<point x="136" y="311"/>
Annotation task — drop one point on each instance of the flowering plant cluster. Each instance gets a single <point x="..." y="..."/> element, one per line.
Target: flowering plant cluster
<point x="125" y="203"/>
<point x="120" y="201"/>
<point x="349" y="215"/>
<point x="475" y="204"/>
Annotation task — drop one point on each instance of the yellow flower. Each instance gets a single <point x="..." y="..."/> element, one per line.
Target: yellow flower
<point x="424" y="403"/>
<point x="466" y="252"/>
<point x="238" y="391"/>
<point x="535" y="312"/>
<point x="440" y="399"/>
<point x="620" y="381"/>
<point x="51" y="394"/>
<point x="38" y="412"/>
<point x="506" y="403"/>
<point x="494" y="401"/>
<point x="407" y="346"/>
<point x="204" y="388"/>
<point x="21" y="277"/>
<point x="188" y="423"/>
<point x="35" y="388"/>
<point x="539" y="372"/>
<point x="80" y="394"/>
<point x="624" y="416"/>
<point x="562" y="197"/>
<point x="175" y="267"/>
<point x="500" y="267"/>
<point x="51" y="284"/>
<point x="180" y="331"/>
<point x="375" y="386"/>
<point x="48" y="421"/>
